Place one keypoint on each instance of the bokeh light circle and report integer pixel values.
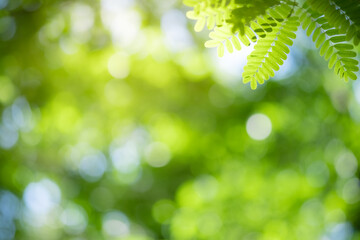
(258, 126)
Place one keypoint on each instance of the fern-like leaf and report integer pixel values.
(246, 11)
(271, 25)
(270, 52)
(258, 28)
(341, 14)
(332, 41)
(351, 8)
(223, 36)
(209, 13)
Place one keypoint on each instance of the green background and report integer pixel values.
(117, 123)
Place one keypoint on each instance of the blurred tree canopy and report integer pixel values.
(116, 123)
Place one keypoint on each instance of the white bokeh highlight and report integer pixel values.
(118, 65)
(74, 219)
(92, 167)
(346, 164)
(157, 154)
(258, 126)
(41, 200)
(116, 224)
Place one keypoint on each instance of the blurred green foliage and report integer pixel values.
(117, 124)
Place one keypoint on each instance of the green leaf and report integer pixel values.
(191, 15)
(320, 40)
(316, 34)
(347, 54)
(236, 43)
(212, 43)
(244, 40)
(329, 52)
(324, 47)
(200, 24)
(285, 40)
(211, 22)
(306, 23)
(343, 46)
(273, 29)
(350, 61)
(332, 61)
(352, 75)
(229, 46)
(311, 28)
(253, 84)
(338, 39)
